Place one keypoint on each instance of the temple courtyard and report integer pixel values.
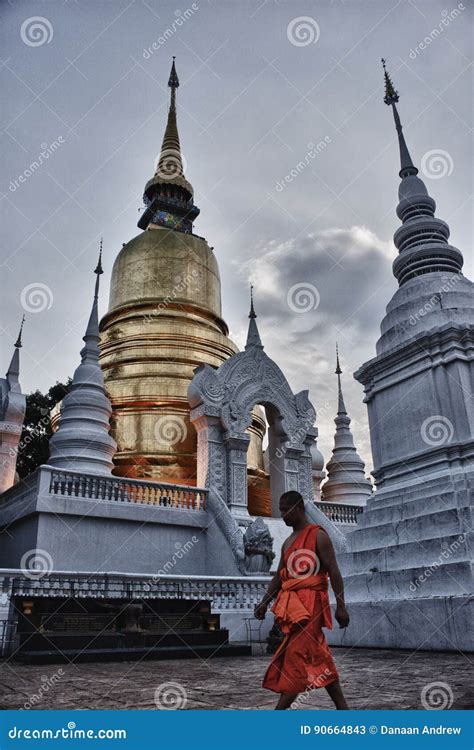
(371, 678)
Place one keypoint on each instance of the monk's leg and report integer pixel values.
(285, 701)
(335, 692)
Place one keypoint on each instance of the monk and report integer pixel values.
(303, 661)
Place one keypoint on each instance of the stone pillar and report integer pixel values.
(292, 469)
(211, 452)
(305, 470)
(237, 475)
(276, 451)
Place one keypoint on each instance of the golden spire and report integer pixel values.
(168, 195)
(173, 83)
(170, 163)
(92, 331)
(99, 268)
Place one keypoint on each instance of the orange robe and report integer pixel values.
(303, 660)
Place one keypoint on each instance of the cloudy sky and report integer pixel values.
(260, 88)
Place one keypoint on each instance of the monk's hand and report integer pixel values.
(260, 611)
(342, 616)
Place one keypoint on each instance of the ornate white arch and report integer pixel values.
(221, 403)
(221, 409)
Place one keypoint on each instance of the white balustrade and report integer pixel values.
(120, 490)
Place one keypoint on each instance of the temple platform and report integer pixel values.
(187, 648)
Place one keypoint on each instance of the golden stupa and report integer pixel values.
(164, 319)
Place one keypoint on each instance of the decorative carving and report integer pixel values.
(305, 478)
(224, 594)
(304, 408)
(292, 482)
(205, 387)
(258, 545)
(217, 467)
(239, 483)
(228, 395)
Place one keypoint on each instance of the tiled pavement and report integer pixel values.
(371, 679)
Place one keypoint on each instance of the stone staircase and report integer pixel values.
(93, 647)
(408, 564)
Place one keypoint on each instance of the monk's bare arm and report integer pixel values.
(327, 557)
(273, 588)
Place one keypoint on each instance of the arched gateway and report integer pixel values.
(221, 403)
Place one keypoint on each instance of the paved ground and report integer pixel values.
(371, 679)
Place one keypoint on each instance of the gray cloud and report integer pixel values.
(249, 104)
(311, 291)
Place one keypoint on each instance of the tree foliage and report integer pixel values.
(34, 443)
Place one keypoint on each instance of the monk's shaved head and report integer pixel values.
(292, 497)
(291, 507)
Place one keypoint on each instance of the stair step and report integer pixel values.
(449, 579)
(131, 654)
(374, 516)
(441, 549)
(417, 529)
(427, 489)
(110, 641)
